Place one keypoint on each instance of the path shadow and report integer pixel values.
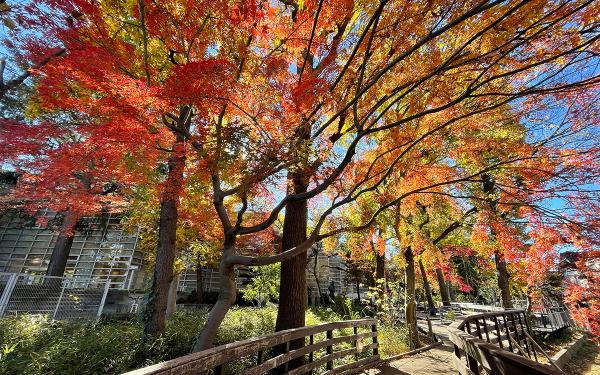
(385, 369)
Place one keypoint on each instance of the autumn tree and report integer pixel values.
(333, 101)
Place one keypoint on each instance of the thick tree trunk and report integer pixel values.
(503, 282)
(62, 246)
(292, 289)
(227, 295)
(427, 287)
(155, 313)
(443, 287)
(410, 305)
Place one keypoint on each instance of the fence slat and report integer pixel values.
(213, 358)
(495, 360)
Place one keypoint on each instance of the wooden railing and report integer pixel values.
(325, 346)
(551, 319)
(498, 342)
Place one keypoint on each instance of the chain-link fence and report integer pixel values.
(57, 297)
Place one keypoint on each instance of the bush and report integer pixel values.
(31, 344)
(44, 347)
(392, 340)
(112, 347)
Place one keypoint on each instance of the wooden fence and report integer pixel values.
(551, 319)
(498, 342)
(325, 346)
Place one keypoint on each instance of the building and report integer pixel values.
(102, 249)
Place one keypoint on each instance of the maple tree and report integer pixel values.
(280, 103)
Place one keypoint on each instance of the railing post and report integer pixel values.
(8, 289)
(478, 328)
(514, 324)
(510, 347)
(485, 329)
(498, 331)
(375, 348)
(472, 364)
(286, 366)
(356, 343)
(523, 329)
(311, 355)
(62, 291)
(329, 350)
(103, 300)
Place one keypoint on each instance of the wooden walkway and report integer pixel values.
(435, 361)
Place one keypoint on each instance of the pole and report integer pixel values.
(62, 291)
(103, 300)
(8, 289)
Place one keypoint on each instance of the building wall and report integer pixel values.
(100, 249)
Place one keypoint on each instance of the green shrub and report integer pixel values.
(44, 347)
(31, 344)
(392, 340)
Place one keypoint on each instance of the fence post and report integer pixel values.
(62, 291)
(329, 350)
(103, 300)
(375, 347)
(311, 355)
(8, 289)
(355, 343)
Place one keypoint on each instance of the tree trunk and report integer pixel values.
(227, 295)
(155, 313)
(444, 293)
(172, 297)
(427, 287)
(410, 302)
(292, 289)
(489, 186)
(62, 246)
(379, 266)
(199, 284)
(451, 291)
(503, 283)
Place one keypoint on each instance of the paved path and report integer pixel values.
(436, 361)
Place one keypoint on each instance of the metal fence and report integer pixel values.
(57, 297)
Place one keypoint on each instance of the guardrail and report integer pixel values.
(56, 297)
(322, 348)
(551, 319)
(498, 342)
